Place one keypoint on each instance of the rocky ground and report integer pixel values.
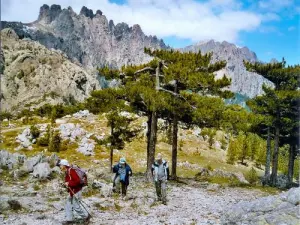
(189, 202)
(31, 190)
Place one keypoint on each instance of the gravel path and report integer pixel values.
(187, 204)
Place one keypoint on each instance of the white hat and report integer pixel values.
(64, 162)
(159, 156)
(122, 160)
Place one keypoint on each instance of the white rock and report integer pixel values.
(217, 145)
(41, 170)
(86, 146)
(81, 114)
(31, 162)
(293, 196)
(60, 121)
(197, 131)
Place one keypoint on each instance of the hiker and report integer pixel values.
(160, 172)
(122, 171)
(74, 185)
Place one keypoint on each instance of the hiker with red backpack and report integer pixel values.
(75, 179)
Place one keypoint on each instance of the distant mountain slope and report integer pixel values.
(36, 75)
(243, 82)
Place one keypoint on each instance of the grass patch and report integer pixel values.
(53, 199)
(90, 192)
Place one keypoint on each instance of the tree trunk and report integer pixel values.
(174, 139)
(268, 157)
(148, 133)
(291, 164)
(112, 143)
(111, 157)
(152, 144)
(275, 157)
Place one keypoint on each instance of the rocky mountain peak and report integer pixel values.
(48, 14)
(243, 82)
(87, 12)
(92, 43)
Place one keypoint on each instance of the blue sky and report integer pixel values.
(270, 28)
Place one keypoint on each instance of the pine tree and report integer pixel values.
(113, 101)
(192, 72)
(279, 105)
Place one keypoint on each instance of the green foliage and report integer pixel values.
(44, 141)
(279, 106)
(20, 74)
(55, 142)
(210, 133)
(44, 110)
(109, 73)
(232, 151)
(35, 132)
(251, 176)
(283, 159)
(5, 115)
(246, 146)
(64, 145)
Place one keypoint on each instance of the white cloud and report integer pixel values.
(188, 19)
(270, 17)
(275, 5)
(291, 28)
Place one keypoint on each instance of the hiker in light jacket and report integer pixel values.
(160, 171)
(72, 182)
(122, 171)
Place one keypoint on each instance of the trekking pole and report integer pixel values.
(80, 201)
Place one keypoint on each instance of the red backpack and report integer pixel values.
(81, 174)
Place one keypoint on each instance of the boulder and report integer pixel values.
(81, 114)
(240, 177)
(293, 196)
(42, 170)
(10, 160)
(3, 204)
(31, 162)
(86, 146)
(25, 138)
(278, 209)
(197, 131)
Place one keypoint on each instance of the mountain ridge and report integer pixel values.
(91, 40)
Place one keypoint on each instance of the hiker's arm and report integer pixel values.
(75, 180)
(115, 169)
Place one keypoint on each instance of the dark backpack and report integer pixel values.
(81, 174)
(168, 171)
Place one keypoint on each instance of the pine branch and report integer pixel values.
(144, 70)
(172, 93)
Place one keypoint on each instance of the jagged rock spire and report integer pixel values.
(48, 14)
